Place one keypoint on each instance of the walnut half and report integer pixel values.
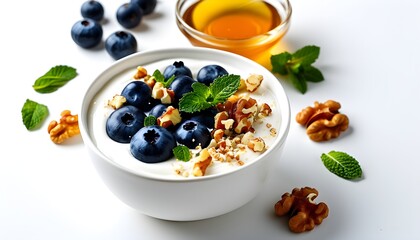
(304, 213)
(67, 127)
(323, 121)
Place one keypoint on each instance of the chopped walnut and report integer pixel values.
(303, 212)
(170, 117)
(203, 161)
(256, 144)
(141, 73)
(67, 127)
(253, 82)
(117, 101)
(165, 95)
(323, 121)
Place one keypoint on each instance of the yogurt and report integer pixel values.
(120, 153)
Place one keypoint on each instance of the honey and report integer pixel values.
(239, 26)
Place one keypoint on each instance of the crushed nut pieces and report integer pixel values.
(303, 212)
(323, 121)
(67, 127)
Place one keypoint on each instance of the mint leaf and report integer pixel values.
(203, 97)
(223, 87)
(193, 102)
(306, 55)
(33, 114)
(160, 78)
(342, 164)
(55, 78)
(298, 66)
(150, 120)
(182, 153)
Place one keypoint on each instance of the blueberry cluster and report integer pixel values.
(88, 33)
(154, 143)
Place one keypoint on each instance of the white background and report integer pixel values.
(370, 60)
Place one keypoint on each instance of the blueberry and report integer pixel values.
(92, 9)
(205, 117)
(129, 15)
(176, 69)
(152, 144)
(120, 44)
(87, 33)
(158, 110)
(148, 6)
(181, 85)
(192, 133)
(137, 93)
(124, 122)
(208, 73)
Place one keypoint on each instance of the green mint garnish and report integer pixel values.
(33, 114)
(298, 66)
(55, 78)
(160, 78)
(342, 164)
(182, 153)
(203, 97)
(150, 120)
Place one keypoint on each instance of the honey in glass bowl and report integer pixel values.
(246, 27)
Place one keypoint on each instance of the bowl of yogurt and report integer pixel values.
(216, 178)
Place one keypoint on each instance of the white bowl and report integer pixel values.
(168, 196)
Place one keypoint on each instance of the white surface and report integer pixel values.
(369, 56)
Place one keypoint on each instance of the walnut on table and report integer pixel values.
(323, 121)
(303, 211)
(67, 127)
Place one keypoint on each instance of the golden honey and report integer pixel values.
(246, 27)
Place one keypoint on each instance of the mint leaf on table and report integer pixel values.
(33, 114)
(159, 77)
(55, 78)
(342, 164)
(298, 66)
(182, 153)
(203, 97)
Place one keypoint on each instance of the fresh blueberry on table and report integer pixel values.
(192, 134)
(147, 6)
(129, 15)
(176, 69)
(181, 85)
(87, 33)
(120, 44)
(152, 144)
(124, 122)
(208, 73)
(137, 93)
(92, 9)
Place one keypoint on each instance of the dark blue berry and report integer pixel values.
(192, 134)
(148, 6)
(176, 69)
(181, 85)
(129, 15)
(152, 144)
(120, 44)
(137, 93)
(124, 122)
(92, 9)
(87, 33)
(158, 110)
(205, 117)
(207, 74)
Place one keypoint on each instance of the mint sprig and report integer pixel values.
(182, 153)
(33, 114)
(203, 97)
(342, 164)
(298, 66)
(55, 78)
(159, 77)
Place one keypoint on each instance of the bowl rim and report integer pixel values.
(283, 25)
(88, 96)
